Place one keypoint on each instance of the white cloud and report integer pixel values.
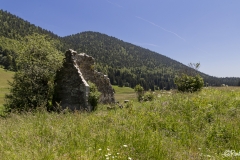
(160, 27)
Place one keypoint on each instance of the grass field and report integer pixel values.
(5, 76)
(124, 93)
(202, 125)
(198, 126)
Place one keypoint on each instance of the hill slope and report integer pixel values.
(125, 64)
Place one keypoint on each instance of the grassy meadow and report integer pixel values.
(124, 93)
(203, 125)
(5, 76)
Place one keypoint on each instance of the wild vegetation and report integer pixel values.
(201, 125)
(33, 83)
(189, 82)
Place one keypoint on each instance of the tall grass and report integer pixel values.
(202, 125)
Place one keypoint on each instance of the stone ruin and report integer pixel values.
(71, 83)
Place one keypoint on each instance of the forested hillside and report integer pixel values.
(128, 64)
(125, 64)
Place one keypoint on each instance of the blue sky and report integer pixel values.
(205, 31)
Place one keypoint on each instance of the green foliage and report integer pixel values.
(187, 83)
(14, 27)
(139, 91)
(32, 85)
(141, 95)
(129, 104)
(93, 95)
(138, 88)
(148, 96)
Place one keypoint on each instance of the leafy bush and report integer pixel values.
(32, 85)
(148, 96)
(187, 83)
(139, 91)
(141, 95)
(93, 95)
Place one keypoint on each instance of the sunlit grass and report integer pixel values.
(5, 76)
(124, 93)
(174, 126)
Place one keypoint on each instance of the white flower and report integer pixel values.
(125, 145)
(99, 149)
(129, 158)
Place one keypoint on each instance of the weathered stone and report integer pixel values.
(71, 87)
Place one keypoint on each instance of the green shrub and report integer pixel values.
(32, 86)
(93, 95)
(187, 83)
(148, 96)
(139, 91)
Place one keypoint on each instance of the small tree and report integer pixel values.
(190, 83)
(32, 85)
(139, 91)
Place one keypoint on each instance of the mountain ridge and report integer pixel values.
(126, 64)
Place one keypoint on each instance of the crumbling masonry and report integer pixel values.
(71, 84)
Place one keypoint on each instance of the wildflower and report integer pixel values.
(125, 145)
(99, 149)
(118, 153)
(108, 149)
(129, 158)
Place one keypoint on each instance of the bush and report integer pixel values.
(93, 95)
(148, 96)
(139, 91)
(187, 83)
(32, 86)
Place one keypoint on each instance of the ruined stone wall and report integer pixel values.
(86, 65)
(71, 87)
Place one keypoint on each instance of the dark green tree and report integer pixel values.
(32, 85)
